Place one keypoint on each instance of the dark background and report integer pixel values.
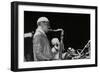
(76, 27)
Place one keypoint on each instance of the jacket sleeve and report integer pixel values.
(38, 48)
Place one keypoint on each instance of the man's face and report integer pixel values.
(45, 25)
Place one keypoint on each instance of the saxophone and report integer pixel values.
(59, 54)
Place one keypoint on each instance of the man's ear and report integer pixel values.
(38, 23)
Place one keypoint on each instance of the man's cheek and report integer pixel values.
(46, 27)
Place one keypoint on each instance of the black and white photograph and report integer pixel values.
(51, 36)
(56, 36)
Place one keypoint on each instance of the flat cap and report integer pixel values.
(42, 19)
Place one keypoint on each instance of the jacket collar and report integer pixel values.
(39, 29)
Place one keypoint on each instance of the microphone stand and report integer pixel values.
(61, 45)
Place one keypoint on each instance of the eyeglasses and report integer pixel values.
(46, 23)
